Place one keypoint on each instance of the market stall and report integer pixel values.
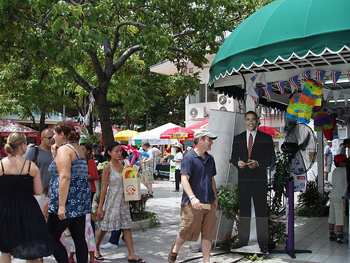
(98, 129)
(153, 136)
(294, 63)
(7, 126)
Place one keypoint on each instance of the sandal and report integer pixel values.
(140, 260)
(99, 257)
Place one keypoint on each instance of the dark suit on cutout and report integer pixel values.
(252, 183)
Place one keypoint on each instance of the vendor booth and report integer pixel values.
(295, 63)
(7, 126)
(153, 136)
(98, 129)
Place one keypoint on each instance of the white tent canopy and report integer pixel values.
(153, 136)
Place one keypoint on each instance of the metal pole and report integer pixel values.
(64, 107)
(290, 224)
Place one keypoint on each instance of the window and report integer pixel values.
(212, 95)
(199, 97)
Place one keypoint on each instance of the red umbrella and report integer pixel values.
(115, 130)
(177, 133)
(199, 125)
(8, 126)
(271, 131)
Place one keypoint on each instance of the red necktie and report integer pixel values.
(250, 146)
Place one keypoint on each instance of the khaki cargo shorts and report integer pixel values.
(198, 221)
(147, 177)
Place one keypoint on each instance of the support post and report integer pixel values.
(320, 162)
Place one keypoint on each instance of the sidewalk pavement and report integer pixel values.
(154, 244)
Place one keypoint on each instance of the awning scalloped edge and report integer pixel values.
(266, 61)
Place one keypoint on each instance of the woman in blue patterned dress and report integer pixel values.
(69, 192)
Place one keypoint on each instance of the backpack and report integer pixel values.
(36, 154)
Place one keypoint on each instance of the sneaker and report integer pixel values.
(109, 246)
(122, 243)
(342, 240)
(333, 237)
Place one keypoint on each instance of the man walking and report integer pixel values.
(253, 151)
(42, 157)
(148, 165)
(199, 199)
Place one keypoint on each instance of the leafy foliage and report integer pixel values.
(312, 203)
(138, 211)
(228, 201)
(91, 138)
(92, 42)
(282, 176)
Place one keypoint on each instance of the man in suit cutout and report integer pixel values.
(252, 179)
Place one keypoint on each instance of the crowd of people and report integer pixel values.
(62, 173)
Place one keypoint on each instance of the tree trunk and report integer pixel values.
(42, 119)
(104, 114)
(90, 127)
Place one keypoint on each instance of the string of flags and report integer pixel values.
(294, 82)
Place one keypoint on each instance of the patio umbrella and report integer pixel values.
(98, 129)
(199, 125)
(125, 135)
(271, 131)
(177, 133)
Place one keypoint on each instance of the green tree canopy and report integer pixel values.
(99, 37)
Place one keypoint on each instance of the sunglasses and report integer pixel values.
(49, 137)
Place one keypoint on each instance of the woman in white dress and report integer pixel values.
(113, 210)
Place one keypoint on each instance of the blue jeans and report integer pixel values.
(115, 235)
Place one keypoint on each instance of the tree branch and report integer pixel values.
(179, 50)
(119, 26)
(96, 64)
(82, 82)
(185, 33)
(120, 62)
(75, 3)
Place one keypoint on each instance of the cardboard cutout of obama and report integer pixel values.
(252, 152)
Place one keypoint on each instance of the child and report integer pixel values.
(336, 207)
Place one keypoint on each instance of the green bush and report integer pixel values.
(138, 211)
(312, 203)
(228, 201)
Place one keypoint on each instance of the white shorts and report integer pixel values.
(336, 211)
(327, 168)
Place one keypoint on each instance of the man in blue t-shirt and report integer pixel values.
(199, 199)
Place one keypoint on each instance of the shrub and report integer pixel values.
(312, 203)
(138, 211)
